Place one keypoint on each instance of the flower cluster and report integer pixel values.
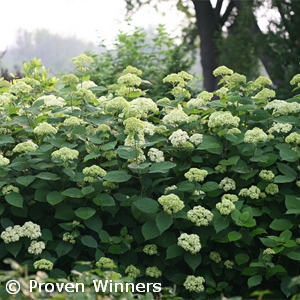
(195, 174)
(36, 248)
(132, 271)
(227, 184)
(269, 251)
(153, 272)
(149, 129)
(171, 203)
(253, 192)
(150, 249)
(223, 118)
(282, 108)
(264, 94)
(134, 125)
(173, 187)
(81, 62)
(200, 216)
(189, 242)
(266, 175)
(25, 147)
(255, 136)
(140, 108)
(130, 79)
(132, 70)
(237, 78)
(215, 256)
(20, 87)
(178, 138)
(196, 103)
(293, 138)
(51, 100)
(175, 116)
(222, 71)
(230, 197)
(229, 264)
(4, 161)
(93, 172)
(263, 80)
(116, 104)
(69, 79)
(272, 189)
(295, 80)
(196, 138)
(44, 129)
(225, 207)
(65, 154)
(86, 84)
(69, 238)
(194, 283)
(43, 264)
(105, 262)
(280, 127)
(73, 121)
(9, 188)
(156, 155)
(233, 131)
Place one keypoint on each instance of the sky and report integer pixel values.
(90, 20)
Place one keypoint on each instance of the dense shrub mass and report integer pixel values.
(188, 191)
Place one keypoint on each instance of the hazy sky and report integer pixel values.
(85, 19)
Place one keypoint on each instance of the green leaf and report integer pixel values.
(14, 199)
(87, 190)
(104, 200)
(211, 144)
(163, 221)
(85, 212)
(109, 146)
(146, 205)
(6, 139)
(25, 180)
(254, 281)
(281, 224)
(63, 248)
(193, 260)
(14, 248)
(47, 176)
(174, 251)
(268, 243)
(210, 186)
(284, 179)
(234, 236)
(294, 255)
(220, 222)
(161, 167)
(127, 152)
(288, 155)
(55, 197)
(230, 161)
(72, 193)
(241, 258)
(286, 170)
(89, 241)
(117, 176)
(292, 204)
(150, 230)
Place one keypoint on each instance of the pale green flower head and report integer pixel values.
(233, 131)
(293, 138)
(269, 251)
(4, 161)
(196, 138)
(255, 136)
(176, 116)
(82, 62)
(44, 129)
(85, 94)
(283, 108)
(20, 87)
(189, 242)
(295, 80)
(221, 169)
(65, 154)
(195, 174)
(215, 256)
(73, 121)
(117, 103)
(272, 189)
(132, 271)
(51, 100)
(266, 175)
(150, 249)
(130, 80)
(178, 138)
(230, 197)
(69, 238)
(194, 283)
(237, 78)
(36, 248)
(197, 103)
(4, 102)
(103, 128)
(223, 119)
(86, 85)
(11, 234)
(140, 108)
(227, 184)
(229, 264)
(222, 71)
(174, 79)
(280, 128)
(155, 155)
(94, 171)
(132, 70)
(265, 94)
(171, 203)
(222, 92)
(153, 272)
(173, 187)
(150, 129)
(200, 216)
(25, 147)
(31, 230)
(105, 262)
(134, 125)
(263, 80)
(70, 79)
(225, 207)
(206, 96)
(253, 192)
(43, 264)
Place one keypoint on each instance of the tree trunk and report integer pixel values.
(207, 24)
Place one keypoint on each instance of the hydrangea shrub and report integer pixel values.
(188, 191)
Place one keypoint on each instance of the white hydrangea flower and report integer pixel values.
(25, 147)
(227, 184)
(194, 283)
(225, 207)
(189, 242)
(7, 189)
(65, 154)
(150, 249)
(156, 155)
(282, 108)
(175, 116)
(171, 203)
(293, 138)
(140, 108)
(86, 84)
(178, 138)
(36, 248)
(153, 272)
(223, 119)
(130, 80)
(280, 127)
(4, 161)
(196, 138)
(253, 192)
(43, 264)
(73, 121)
(20, 87)
(44, 129)
(230, 197)
(195, 174)
(51, 100)
(255, 136)
(266, 175)
(200, 216)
